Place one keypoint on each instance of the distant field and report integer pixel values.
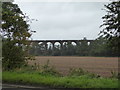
(99, 65)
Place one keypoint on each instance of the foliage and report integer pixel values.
(56, 81)
(114, 74)
(112, 25)
(14, 23)
(13, 56)
(81, 72)
(98, 47)
(112, 20)
(47, 69)
(15, 32)
(84, 48)
(76, 72)
(78, 78)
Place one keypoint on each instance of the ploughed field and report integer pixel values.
(98, 65)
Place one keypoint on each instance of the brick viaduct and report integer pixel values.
(77, 42)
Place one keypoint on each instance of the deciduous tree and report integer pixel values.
(16, 32)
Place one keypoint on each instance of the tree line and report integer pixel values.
(98, 47)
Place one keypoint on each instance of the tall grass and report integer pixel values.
(48, 76)
(83, 81)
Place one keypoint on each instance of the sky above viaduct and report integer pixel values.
(64, 20)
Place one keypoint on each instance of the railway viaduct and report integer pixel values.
(61, 42)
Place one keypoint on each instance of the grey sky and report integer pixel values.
(62, 20)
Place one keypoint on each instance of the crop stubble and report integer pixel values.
(99, 65)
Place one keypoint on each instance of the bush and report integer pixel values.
(13, 56)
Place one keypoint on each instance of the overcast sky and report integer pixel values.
(64, 20)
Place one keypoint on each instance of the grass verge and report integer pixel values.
(83, 81)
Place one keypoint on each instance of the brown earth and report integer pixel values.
(99, 65)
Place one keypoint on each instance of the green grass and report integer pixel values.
(39, 79)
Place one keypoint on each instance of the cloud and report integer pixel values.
(64, 20)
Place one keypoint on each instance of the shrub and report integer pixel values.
(13, 56)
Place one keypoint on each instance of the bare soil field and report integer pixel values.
(98, 65)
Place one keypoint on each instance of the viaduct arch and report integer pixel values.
(77, 42)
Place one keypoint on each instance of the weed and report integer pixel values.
(114, 74)
(47, 69)
(81, 72)
(76, 72)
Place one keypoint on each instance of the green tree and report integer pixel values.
(70, 49)
(13, 56)
(112, 25)
(98, 47)
(83, 49)
(14, 23)
(16, 32)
